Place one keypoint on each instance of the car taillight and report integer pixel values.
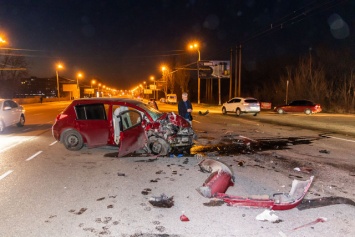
(61, 116)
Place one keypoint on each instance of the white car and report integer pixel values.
(241, 105)
(11, 113)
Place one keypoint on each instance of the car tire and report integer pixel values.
(255, 114)
(238, 112)
(21, 123)
(280, 111)
(2, 127)
(158, 146)
(307, 111)
(73, 140)
(224, 111)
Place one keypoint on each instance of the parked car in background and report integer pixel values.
(299, 106)
(162, 100)
(241, 105)
(126, 123)
(171, 99)
(11, 113)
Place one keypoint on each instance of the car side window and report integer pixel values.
(130, 118)
(237, 101)
(12, 104)
(90, 112)
(6, 104)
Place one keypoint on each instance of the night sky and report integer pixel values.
(122, 43)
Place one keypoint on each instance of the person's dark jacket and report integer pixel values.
(182, 107)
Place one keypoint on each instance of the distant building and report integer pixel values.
(46, 87)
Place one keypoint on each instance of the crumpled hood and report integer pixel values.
(175, 119)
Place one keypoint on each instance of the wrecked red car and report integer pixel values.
(128, 124)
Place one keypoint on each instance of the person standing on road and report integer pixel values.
(185, 108)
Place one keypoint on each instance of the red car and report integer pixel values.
(299, 106)
(128, 124)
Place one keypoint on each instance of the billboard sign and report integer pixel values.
(148, 91)
(214, 69)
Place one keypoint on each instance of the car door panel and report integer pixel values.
(133, 136)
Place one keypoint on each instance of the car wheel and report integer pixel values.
(255, 114)
(21, 123)
(72, 140)
(224, 111)
(280, 111)
(158, 146)
(307, 111)
(238, 112)
(2, 126)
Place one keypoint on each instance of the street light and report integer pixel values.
(196, 46)
(2, 40)
(58, 66)
(77, 79)
(153, 79)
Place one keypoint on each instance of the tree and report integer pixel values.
(12, 69)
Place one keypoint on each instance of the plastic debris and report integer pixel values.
(267, 215)
(203, 113)
(320, 219)
(297, 169)
(184, 218)
(162, 201)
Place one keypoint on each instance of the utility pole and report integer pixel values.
(231, 74)
(240, 70)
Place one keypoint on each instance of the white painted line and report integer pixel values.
(196, 121)
(6, 174)
(53, 143)
(347, 140)
(30, 158)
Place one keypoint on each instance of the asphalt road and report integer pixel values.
(46, 190)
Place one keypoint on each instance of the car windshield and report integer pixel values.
(155, 114)
(251, 101)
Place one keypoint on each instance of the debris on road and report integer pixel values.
(204, 113)
(220, 179)
(324, 151)
(184, 218)
(320, 219)
(268, 215)
(162, 201)
(280, 201)
(214, 203)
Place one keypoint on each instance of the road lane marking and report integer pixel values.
(343, 139)
(30, 158)
(6, 174)
(53, 143)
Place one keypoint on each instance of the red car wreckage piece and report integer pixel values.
(222, 177)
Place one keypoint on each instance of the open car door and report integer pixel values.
(132, 134)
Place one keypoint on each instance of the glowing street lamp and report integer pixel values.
(93, 82)
(196, 47)
(58, 66)
(2, 41)
(79, 75)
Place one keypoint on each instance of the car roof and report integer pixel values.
(108, 100)
(245, 98)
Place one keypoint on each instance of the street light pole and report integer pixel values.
(195, 46)
(59, 66)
